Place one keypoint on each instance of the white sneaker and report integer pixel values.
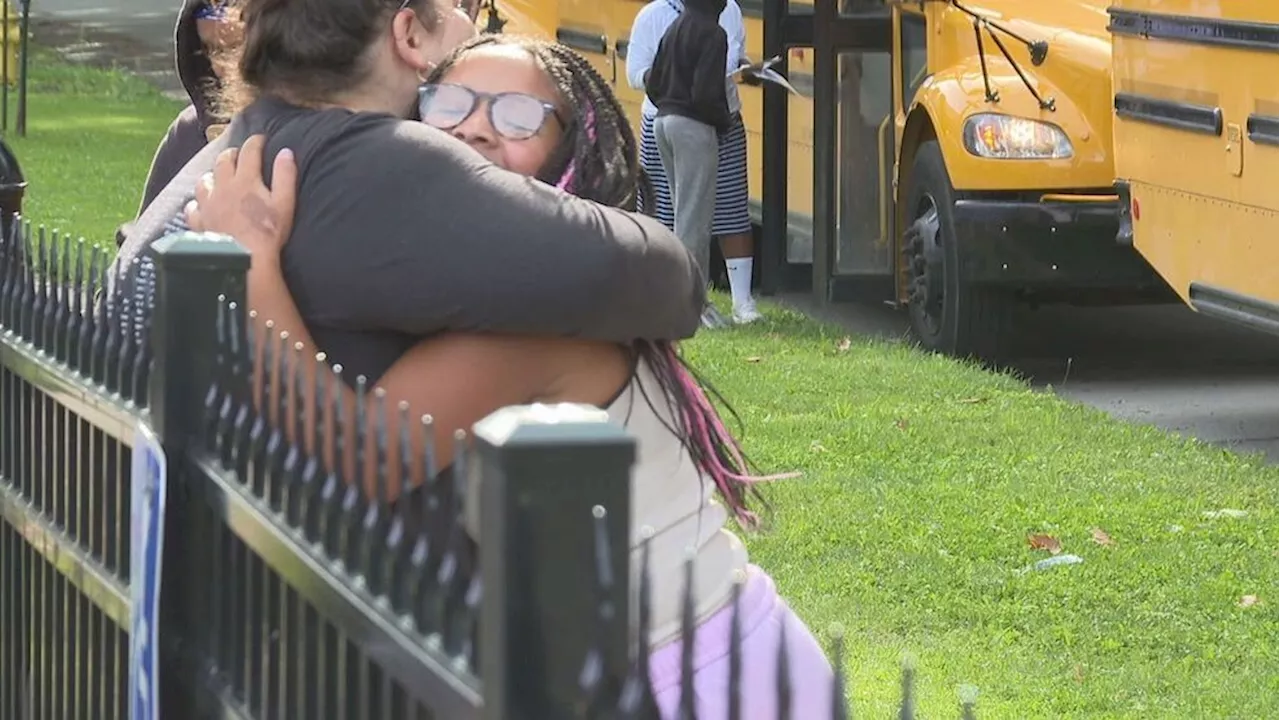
(746, 313)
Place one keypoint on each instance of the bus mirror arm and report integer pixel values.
(1038, 50)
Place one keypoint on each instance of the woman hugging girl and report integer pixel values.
(540, 110)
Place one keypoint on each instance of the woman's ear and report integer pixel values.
(424, 48)
(411, 41)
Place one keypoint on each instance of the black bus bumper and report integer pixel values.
(1050, 248)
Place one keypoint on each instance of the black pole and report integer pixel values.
(825, 105)
(773, 195)
(25, 30)
(4, 71)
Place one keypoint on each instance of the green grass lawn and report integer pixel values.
(923, 479)
(90, 138)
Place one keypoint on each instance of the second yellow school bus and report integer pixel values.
(1196, 149)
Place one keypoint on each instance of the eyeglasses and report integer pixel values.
(514, 115)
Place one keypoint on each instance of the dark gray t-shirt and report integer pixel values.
(403, 232)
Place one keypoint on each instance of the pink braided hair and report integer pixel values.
(566, 180)
(712, 446)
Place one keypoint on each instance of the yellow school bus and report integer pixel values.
(1195, 146)
(951, 157)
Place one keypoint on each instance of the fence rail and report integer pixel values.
(286, 590)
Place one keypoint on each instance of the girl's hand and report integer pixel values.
(235, 200)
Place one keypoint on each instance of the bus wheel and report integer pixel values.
(948, 315)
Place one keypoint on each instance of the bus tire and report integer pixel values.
(948, 314)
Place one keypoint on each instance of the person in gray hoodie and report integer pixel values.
(202, 35)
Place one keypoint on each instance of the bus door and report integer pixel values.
(852, 151)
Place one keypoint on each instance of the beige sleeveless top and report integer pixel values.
(671, 500)
(670, 496)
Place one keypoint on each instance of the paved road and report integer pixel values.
(137, 34)
(1161, 365)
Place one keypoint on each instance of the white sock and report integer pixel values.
(739, 280)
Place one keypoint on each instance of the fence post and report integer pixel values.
(192, 270)
(541, 471)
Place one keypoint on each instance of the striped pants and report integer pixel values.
(731, 215)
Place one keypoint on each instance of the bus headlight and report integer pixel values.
(1004, 137)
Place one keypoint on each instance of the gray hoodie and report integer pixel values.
(188, 132)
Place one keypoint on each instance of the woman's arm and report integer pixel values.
(736, 29)
(642, 45)
(404, 229)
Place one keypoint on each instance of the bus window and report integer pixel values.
(915, 57)
(865, 149)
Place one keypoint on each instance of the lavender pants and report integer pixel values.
(763, 615)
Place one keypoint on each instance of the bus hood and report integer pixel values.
(1078, 64)
(1074, 77)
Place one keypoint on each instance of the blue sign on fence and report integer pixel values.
(146, 532)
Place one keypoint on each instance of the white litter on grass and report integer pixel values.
(1225, 513)
(1052, 562)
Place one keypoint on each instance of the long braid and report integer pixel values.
(598, 158)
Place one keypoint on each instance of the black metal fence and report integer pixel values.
(286, 591)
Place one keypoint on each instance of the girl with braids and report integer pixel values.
(540, 109)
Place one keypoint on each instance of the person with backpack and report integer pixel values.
(687, 86)
(732, 220)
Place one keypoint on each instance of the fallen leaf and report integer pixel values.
(844, 345)
(754, 359)
(1101, 537)
(973, 401)
(1045, 542)
(1226, 513)
(901, 423)
(1248, 601)
(1079, 673)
